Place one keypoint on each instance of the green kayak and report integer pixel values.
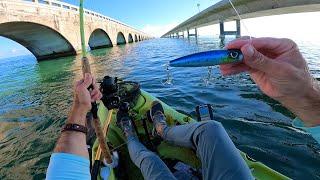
(167, 152)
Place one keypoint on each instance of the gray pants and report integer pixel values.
(219, 157)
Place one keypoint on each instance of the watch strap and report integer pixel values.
(75, 127)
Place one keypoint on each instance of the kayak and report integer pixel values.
(170, 154)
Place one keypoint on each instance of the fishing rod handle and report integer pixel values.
(105, 131)
(101, 139)
(85, 65)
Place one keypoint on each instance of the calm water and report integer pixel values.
(35, 99)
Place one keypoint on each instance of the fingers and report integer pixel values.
(94, 83)
(235, 68)
(87, 80)
(275, 45)
(242, 38)
(256, 60)
(95, 94)
(96, 97)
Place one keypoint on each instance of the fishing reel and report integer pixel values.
(109, 89)
(116, 91)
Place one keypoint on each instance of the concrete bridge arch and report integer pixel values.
(42, 40)
(121, 38)
(99, 38)
(130, 38)
(51, 30)
(135, 38)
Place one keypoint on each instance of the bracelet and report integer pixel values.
(75, 127)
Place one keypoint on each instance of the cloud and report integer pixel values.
(158, 30)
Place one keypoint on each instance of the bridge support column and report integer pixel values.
(195, 34)
(180, 35)
(188, 34)
(224, 33)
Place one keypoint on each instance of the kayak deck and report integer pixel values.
(166, 151)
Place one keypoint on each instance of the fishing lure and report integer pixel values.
(208, 58)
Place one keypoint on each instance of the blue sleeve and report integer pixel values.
(64, 166)
(314, 131)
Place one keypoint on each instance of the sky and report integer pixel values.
(156, 17)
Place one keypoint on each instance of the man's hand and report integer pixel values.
(278, 68)
(82, 96)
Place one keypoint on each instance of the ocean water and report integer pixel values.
(35, 98)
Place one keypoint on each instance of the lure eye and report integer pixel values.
(234, 54)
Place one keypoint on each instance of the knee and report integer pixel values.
(212, 126)
(143, 157)
(211, 129)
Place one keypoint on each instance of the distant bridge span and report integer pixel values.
(222, 12)
(50, 29)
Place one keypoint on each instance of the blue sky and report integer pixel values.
(158, 16)
(139, 13)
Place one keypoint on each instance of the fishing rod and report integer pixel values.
(94, 110)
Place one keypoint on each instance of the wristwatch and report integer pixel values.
(75, 127)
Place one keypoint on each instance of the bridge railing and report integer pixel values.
(69, 7)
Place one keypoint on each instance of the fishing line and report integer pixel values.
(169, 78)
(116, 148)
(209, 75)
(244, 25)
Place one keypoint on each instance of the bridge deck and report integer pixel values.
(223, 11)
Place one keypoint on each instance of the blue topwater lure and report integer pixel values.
(208, 58)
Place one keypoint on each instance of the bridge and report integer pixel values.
(223, 12)
(50, 29)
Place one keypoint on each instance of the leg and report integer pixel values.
(151, 166)
(219, 157)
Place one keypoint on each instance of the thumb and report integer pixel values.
(255, 60)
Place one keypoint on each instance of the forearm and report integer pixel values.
(74, 142)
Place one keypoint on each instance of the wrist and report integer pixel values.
(77, 115)
(306, 106)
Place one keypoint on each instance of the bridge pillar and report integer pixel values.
(195, 34)
(180, 35)
(188, 34)
(224, 33)
(238, 28)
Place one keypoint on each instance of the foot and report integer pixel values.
(158, 118)
(124, 122)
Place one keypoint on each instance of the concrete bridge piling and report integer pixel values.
(50, 28)
(224, 33)
(195, 34)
